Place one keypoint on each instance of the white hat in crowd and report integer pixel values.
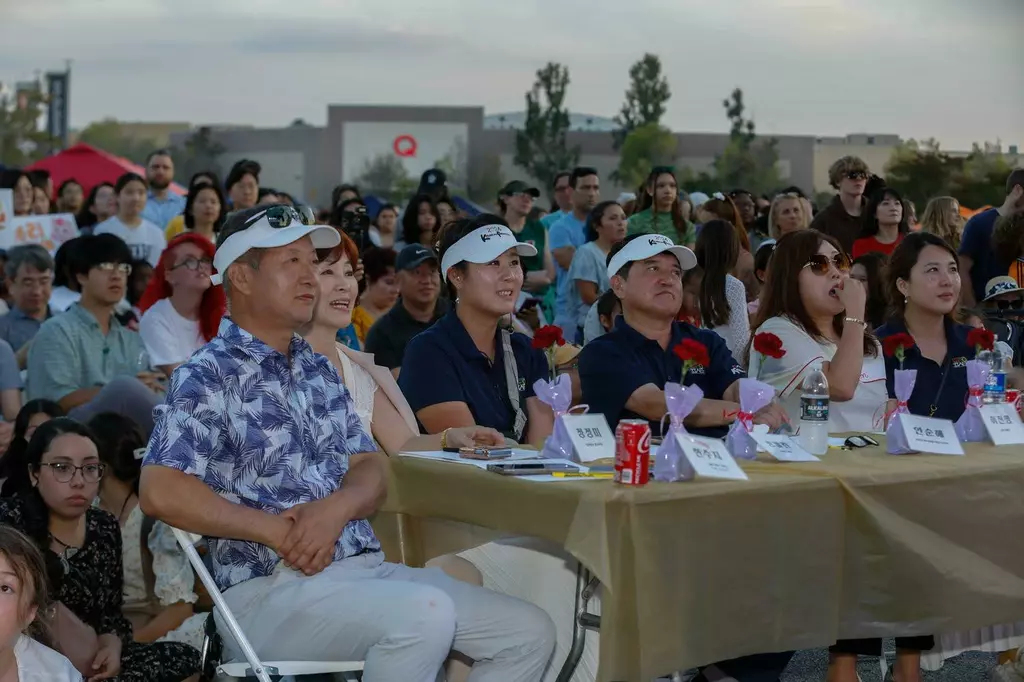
(483, 245)
(266, 228)
(647, 245)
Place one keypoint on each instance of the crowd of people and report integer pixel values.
(229, 363)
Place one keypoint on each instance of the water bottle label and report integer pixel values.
(813, 409)
(996, 382)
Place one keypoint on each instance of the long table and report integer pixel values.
(862, 544)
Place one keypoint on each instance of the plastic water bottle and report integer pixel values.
(814, 403)
(995, 386)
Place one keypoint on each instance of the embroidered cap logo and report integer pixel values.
(493, 232)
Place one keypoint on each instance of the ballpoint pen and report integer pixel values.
(581, 474)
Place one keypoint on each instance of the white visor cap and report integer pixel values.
(483, 245)
(647, 246)
(260, 234)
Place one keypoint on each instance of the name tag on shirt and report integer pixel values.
(710, 458)
(936, 436)
(591, 436)
(1003, 424)
(780, 446)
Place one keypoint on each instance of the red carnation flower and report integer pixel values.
(769, 345)
(981, 339)
(692, 353)
(547, 336)
(897, 345)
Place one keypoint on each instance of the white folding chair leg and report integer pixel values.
(188, 546)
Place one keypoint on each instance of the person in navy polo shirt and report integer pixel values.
(467, 369)
(923, 282)
(624, 372)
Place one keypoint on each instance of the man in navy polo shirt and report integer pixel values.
(978, 261)
(624, 372)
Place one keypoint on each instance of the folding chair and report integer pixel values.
(252, 666)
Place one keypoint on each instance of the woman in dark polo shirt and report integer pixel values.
(923, 285)
(467, 369)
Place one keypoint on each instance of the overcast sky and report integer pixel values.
(949, 69)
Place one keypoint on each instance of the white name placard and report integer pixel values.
(936, 436)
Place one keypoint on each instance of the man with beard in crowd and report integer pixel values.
(161, 203)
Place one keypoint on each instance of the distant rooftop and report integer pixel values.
(578, 122)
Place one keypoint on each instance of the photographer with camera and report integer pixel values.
(350, 217)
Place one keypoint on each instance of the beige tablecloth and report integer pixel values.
(862, 544)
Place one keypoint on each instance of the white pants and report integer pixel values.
(402, 621)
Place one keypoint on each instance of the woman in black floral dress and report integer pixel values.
(82, 546)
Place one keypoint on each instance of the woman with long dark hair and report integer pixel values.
(204, 213)
(20, 183)
(176, 225)
(816, 310)
(588, 273)
(660, 209)
(82, 548)
(723, 298)
(158, 578)
(421, 222)
(32, 415)
(885, 223)
(923, 286)
(100, 205)
(181, 311)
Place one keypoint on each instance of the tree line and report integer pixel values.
(920, 170)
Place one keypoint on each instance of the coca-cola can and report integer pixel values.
(632, 452)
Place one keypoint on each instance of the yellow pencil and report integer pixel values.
(581, 474)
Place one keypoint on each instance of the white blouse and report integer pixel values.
(363, 388)
(39, 663)
(803, 352)
(736, 331)
(174, 580)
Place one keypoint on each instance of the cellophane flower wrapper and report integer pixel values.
(557, 394)
(754, 395)
(903, 381)
(970, 427)
(669, 463)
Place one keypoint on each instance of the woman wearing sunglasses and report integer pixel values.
(82, 548)
(181, 311)
(813, 306)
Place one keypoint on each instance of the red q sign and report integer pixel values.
(405, 145)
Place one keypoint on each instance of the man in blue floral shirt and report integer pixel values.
(259, 448)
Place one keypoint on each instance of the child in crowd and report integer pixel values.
(24, 608)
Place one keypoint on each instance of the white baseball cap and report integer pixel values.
(647, 245)
(483, 245)
(268, 228)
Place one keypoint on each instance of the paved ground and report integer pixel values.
(809, 666)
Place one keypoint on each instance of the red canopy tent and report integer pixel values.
(90, 166)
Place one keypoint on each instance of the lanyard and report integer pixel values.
(933, 408)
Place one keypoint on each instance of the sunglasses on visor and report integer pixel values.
(819, 264)
(284, 216)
